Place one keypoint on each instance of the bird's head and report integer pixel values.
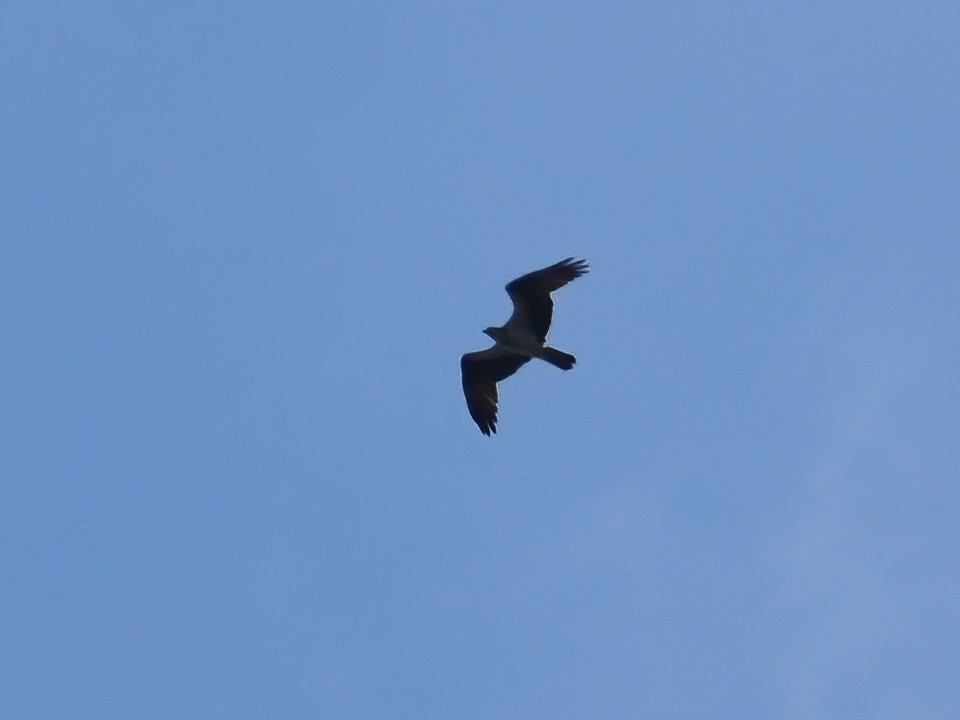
(494, 332)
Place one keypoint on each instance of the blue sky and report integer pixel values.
(243, 248)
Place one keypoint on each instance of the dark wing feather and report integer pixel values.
(481, 372)
(530, 293)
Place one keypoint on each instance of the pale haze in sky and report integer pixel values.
(243, 246)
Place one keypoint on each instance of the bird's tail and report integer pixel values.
(560, 359)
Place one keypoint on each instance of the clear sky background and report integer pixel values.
(245, 244)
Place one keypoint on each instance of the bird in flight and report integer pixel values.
(524, 336)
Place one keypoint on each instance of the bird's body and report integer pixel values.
(522, 337)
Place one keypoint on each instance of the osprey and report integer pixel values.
(524, 336)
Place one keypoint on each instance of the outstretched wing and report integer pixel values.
(532, 305)
(481, 372)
